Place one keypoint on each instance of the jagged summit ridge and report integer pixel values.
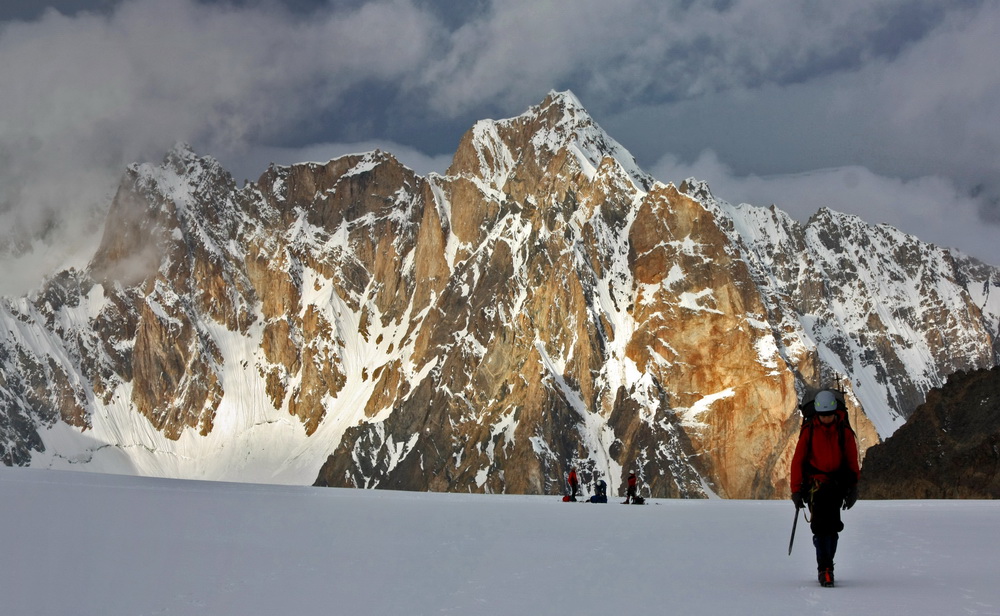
(543, 303)
(559, 124)
(861, 291)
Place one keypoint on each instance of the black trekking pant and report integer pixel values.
(825, 523)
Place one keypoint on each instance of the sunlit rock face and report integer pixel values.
(544, 303)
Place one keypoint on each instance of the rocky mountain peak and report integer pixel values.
(544, 303)
(182, 159)
(493, 150)
(696, 189)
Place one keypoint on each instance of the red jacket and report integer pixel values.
(818, 453)
(572, 478)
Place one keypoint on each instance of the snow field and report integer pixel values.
(80, 543)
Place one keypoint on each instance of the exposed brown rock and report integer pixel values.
(949, 447)
(543, 304)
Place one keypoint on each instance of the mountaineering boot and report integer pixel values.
(826, 577)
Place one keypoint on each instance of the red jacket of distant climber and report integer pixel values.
(572, 479)
(825, 452)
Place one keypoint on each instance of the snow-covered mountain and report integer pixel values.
(543, 303)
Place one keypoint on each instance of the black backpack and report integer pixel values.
(808, 410)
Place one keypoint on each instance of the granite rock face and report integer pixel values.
(544, 303)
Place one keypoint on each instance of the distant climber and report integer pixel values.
(600, 491)
(574, 483)
(630, 494)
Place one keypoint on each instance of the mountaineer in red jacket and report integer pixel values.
(574, 483)
(824, 476)
(633, 483)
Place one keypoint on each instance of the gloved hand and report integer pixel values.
(797, 499)
(851, 497)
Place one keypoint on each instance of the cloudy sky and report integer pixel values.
(888, 109)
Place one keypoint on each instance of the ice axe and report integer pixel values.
(795, 522)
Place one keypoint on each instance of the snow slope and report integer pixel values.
(80, 543)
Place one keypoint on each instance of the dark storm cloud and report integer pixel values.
(638, 51)
(28, 10)
(96, 91)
